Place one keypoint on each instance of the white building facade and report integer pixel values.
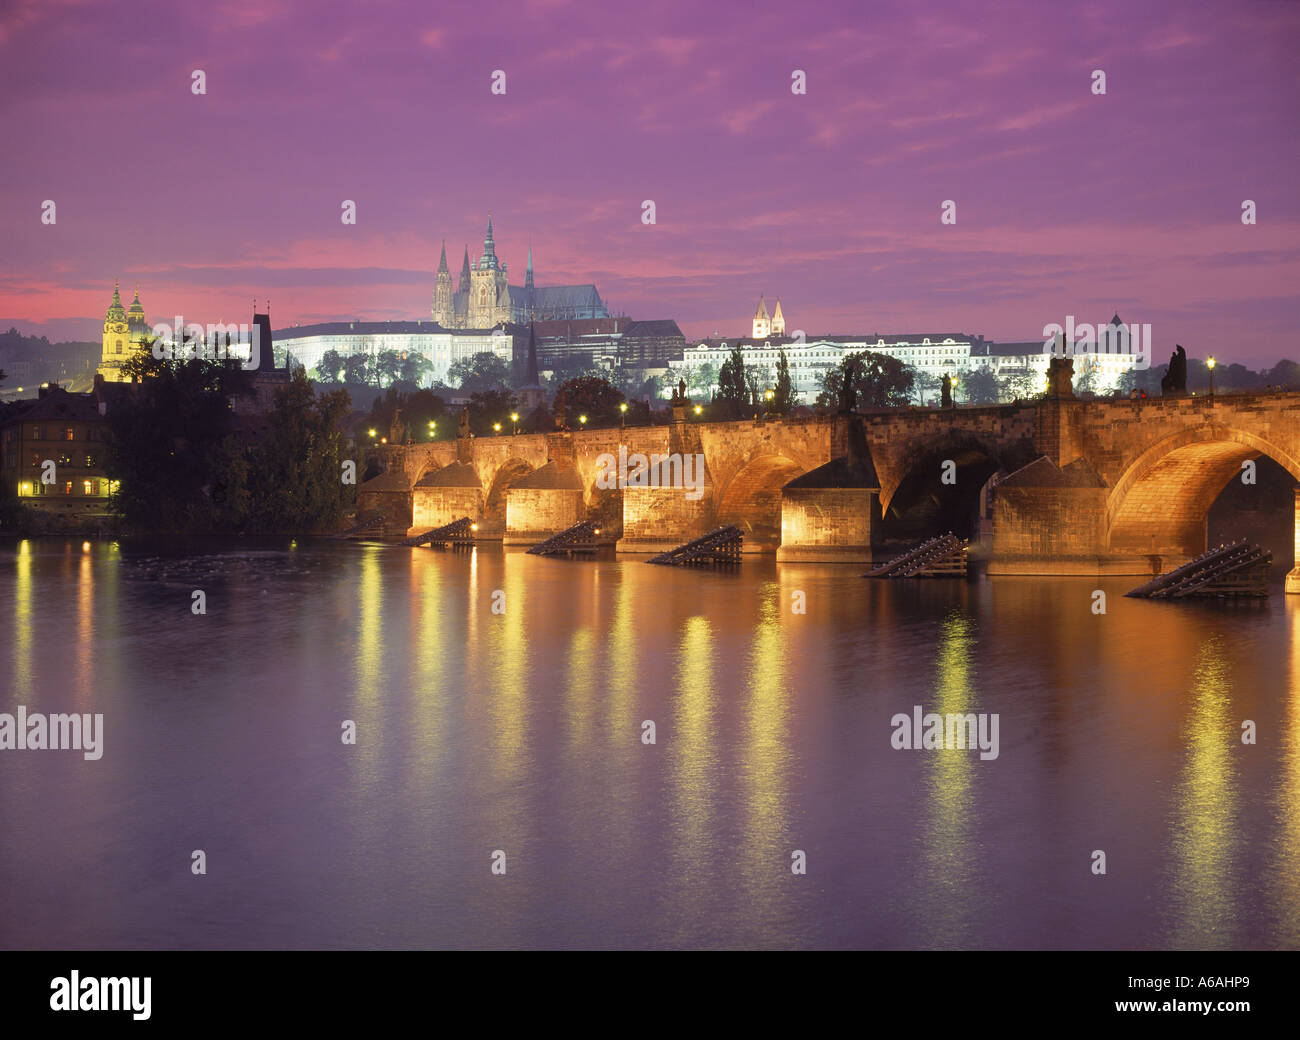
(442, 347)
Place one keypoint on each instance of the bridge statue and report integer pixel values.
(848, 394)
(945, 400)
(462, 429)
(1174, 382)
(396, 428)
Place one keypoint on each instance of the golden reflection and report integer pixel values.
(508, 687)
(580, 687)
(693, 754)
(85, 627)
(370, 648)
(624, 653)
(1205, 828)
(1286, 871)
(22, 642)
(948, 854)
(765, 755)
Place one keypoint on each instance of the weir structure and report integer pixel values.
(1053, 486)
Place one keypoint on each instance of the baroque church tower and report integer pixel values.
(124, 333)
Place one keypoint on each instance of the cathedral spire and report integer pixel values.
(442, 261)
(489, 258)
(528, 275)
(464, 273)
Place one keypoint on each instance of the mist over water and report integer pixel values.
(522, 732)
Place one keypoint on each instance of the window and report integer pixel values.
(118, 350)
(38, 434)
(68, 434)
(86, 487)
(67, 488)
(65, 460)
(90, 462)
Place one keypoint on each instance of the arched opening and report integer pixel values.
(940, 492)
(1201, 488)
(752, 501)
(494, 509)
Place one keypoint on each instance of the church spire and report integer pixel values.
(489, 258)
(464, 273)
(532, 376)
(442, 261)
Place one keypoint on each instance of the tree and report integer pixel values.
(879, 381)
(783, 393)
(1088, 379)
(701, 380)
(482, 372)
(488, 407)
(1023, 386)
(171, 445)
(357, 368)
(925, 384)
(596, 398)
(294, 477)
(414, 368)
(733, 390)
(388, 366)
(330, 366)
(981, 386)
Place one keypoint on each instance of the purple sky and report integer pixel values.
(1067, 203)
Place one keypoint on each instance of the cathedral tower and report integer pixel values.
(778, 320)
(762, 324)
(444, 309)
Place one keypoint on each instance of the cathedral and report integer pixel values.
(124, 332)
(483, 298)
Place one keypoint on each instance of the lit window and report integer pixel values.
(67, 488)
(68, 435)
(85, 487)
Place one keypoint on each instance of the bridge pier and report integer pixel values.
(656, 519)
(446, 495)
(1293, 578)
(542, 504)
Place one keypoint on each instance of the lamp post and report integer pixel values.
(514, 418)
(582, 419)
(699, 410)
(433, 429)
(622, 419)
(1209, 362)
(497, 426)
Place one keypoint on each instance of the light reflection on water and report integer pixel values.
(521, 731)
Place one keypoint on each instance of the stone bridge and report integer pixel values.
(1065, 486)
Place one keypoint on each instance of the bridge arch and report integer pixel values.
(751, 500)
(917, 502)
(1160, 504)
(494, 504)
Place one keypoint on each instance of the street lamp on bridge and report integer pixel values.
(1209, 363)
(514, 418)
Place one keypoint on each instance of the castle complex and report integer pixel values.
(483, 297)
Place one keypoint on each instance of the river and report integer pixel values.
(520, 731)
